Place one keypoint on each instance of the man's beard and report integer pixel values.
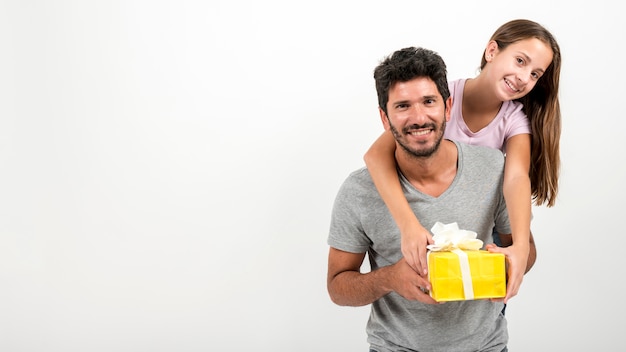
(422, 152)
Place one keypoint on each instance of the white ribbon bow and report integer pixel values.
(448, 237)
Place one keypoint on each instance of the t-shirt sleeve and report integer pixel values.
(346, 229)
(517, 121)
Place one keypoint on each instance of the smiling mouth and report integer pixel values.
(420, 132)
(508, 83)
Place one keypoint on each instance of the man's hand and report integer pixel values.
(407, 283)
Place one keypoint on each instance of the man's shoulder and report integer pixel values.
(471, 151)
(360, 173)
(479, 149)
(358, 178)
(357, 189)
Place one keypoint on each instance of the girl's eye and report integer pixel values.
(535, 75)
(520, 61)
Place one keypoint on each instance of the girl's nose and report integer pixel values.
(524, 77)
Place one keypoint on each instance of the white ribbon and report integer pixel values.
(448, 237)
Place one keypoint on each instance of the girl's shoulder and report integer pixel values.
(456, 86)
(512, 109)
(513, 120)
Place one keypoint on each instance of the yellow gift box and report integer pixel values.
(452, 281)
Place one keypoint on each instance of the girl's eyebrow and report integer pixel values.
(529, 60)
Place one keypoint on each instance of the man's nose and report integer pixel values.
(418, 113)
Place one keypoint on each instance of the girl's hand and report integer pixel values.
(516, 261)
(414, 239)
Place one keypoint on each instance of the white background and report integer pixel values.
(167, 169)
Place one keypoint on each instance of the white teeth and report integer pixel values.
(510, 86)
(419, 133)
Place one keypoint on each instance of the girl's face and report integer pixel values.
(516, 69)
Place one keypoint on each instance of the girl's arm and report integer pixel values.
(380, 161)
(517, 195)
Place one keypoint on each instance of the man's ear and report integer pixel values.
(448, 110)
(384, 119)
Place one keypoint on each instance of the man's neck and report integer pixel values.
(430, 175)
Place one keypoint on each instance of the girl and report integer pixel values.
(512, 105)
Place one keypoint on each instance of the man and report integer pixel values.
(444, 181)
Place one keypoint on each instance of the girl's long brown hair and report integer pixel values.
(541, 105)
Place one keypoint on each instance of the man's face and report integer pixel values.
(417, 116)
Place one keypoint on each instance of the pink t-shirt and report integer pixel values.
(510, 121)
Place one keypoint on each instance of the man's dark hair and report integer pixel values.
(407, 64)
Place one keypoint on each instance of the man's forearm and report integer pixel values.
(351, 288)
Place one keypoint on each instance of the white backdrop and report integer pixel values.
(167, 169)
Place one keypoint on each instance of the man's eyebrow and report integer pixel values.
(424, 97)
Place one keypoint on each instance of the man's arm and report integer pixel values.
(347, 286)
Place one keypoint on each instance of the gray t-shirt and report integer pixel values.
(362, 223)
